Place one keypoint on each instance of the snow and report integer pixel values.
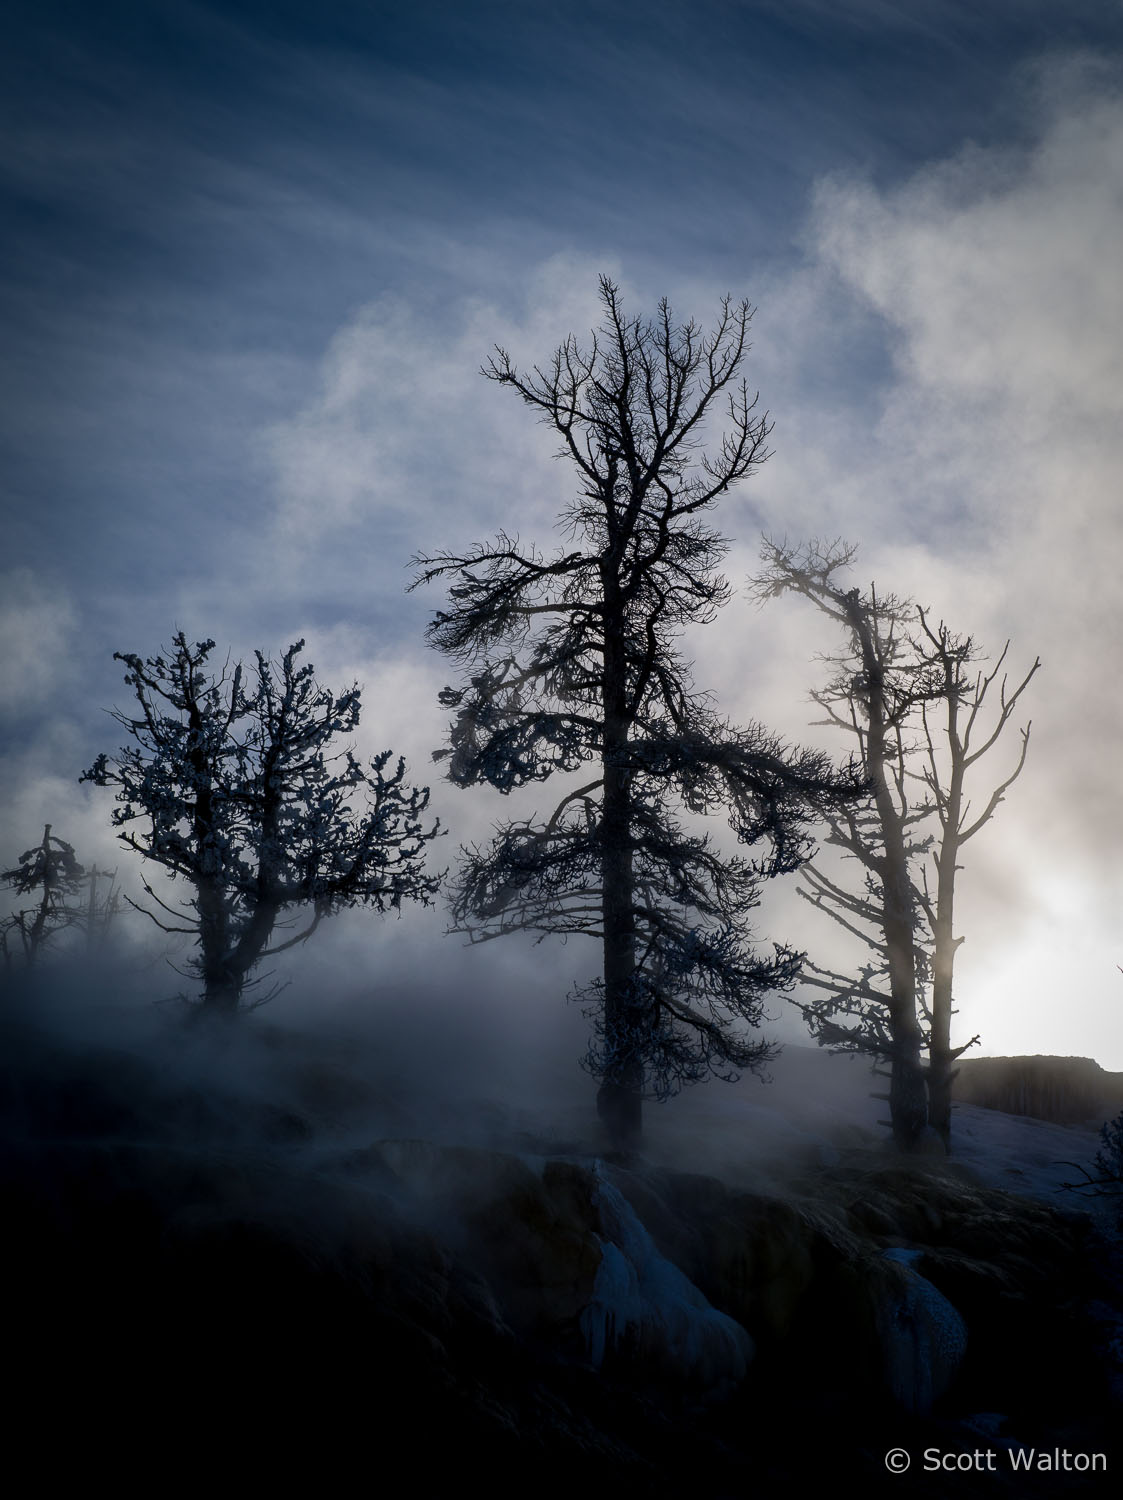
(643, 1301)
(1033, 1158)
(927, 1342)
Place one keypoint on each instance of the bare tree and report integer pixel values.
(950, 752)
(571, 661)
(101, 909)
(896, 680)
(51, 874)
(871, 695)
(229, 786)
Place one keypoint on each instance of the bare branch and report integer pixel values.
(236, 788)
(573, 659)
(885, 691)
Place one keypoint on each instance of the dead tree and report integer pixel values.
(896, 679)
(51, 874)
(571, 667)
(951, 749)
(101, 910)
(229, 785)
(872, 694)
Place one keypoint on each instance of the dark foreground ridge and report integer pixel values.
(258, 1286)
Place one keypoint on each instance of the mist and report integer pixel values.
(253, 259)
(367, 1226)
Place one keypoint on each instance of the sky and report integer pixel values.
(254, 255)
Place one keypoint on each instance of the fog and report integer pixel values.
(92, 1061)
(252, 271)
(290, 1242)
(253, 258)
(452, 1062)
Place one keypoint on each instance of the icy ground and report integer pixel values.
(760, 1133)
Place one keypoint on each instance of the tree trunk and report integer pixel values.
(941, 1076)
(91, 914)
(908, 1101)
(39, 925)
(222, 984)
(941, 1054)
(908, 1095)
(620, 1098)
(222, 993)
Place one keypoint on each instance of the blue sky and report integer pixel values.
(253, 256)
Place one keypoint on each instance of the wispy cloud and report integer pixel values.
(252, 272)
(979, 473)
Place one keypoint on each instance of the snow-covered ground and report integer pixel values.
(761, 1133)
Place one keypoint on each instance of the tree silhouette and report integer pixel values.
(950, 751)
(65, 896)
(890, 688)
(230, 786)
(571, 660)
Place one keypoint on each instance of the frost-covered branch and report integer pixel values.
(233, 785)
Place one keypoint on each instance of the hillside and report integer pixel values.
(259, 1256)
(1066, 1090)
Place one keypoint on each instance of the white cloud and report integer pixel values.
(403, 430)
(946, 371)
(982, 476)
(1005, 300)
